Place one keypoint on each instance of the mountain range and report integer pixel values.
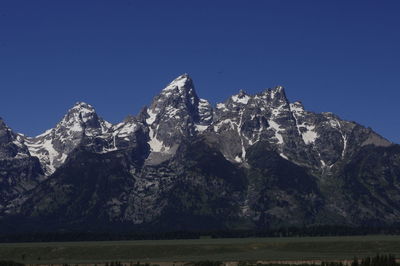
(251, 162)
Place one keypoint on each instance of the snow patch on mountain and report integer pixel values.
(178, 113)
(177, 84)
(155, 144)
(46, 153)
(309, 135)
(201, 128)
(53, 146)
(241, 99)
(277, 129)
(124, 129)
(222, 107)
(152, 117)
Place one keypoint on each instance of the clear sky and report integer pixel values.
(337, 56)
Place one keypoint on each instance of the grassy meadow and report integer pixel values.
(236, 249)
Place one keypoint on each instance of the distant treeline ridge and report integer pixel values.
(281, 232)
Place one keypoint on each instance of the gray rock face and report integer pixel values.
(11, 144)
(244, 120)
(253, 161)
(176, 113)
(317, 141)
(19, 172)
(80, 125)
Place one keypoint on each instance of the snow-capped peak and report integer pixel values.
(179, 84)
(82, 117)
(82, 106)
(178, 95)
(241, 97)
(81, 112)
(179, 92)
(177, 112)
(278, 92)
(53, 146)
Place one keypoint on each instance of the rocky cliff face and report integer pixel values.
(19, 171)
(253, 161)
(176, 113)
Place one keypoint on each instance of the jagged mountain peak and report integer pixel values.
(177, 112)
(81, 104)
(242, 97)
(180, 90)
(257, 158)
(242, 93)
(82, 117)
(181, 84)
(5, 132)
(11, 143)
(82, 113)
(277, 92)
(176, 96)
(82, 107)
(2, 123)
(78, 125)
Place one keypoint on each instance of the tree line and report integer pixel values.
(279, 232)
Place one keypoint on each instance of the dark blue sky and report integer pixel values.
(338, 56)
